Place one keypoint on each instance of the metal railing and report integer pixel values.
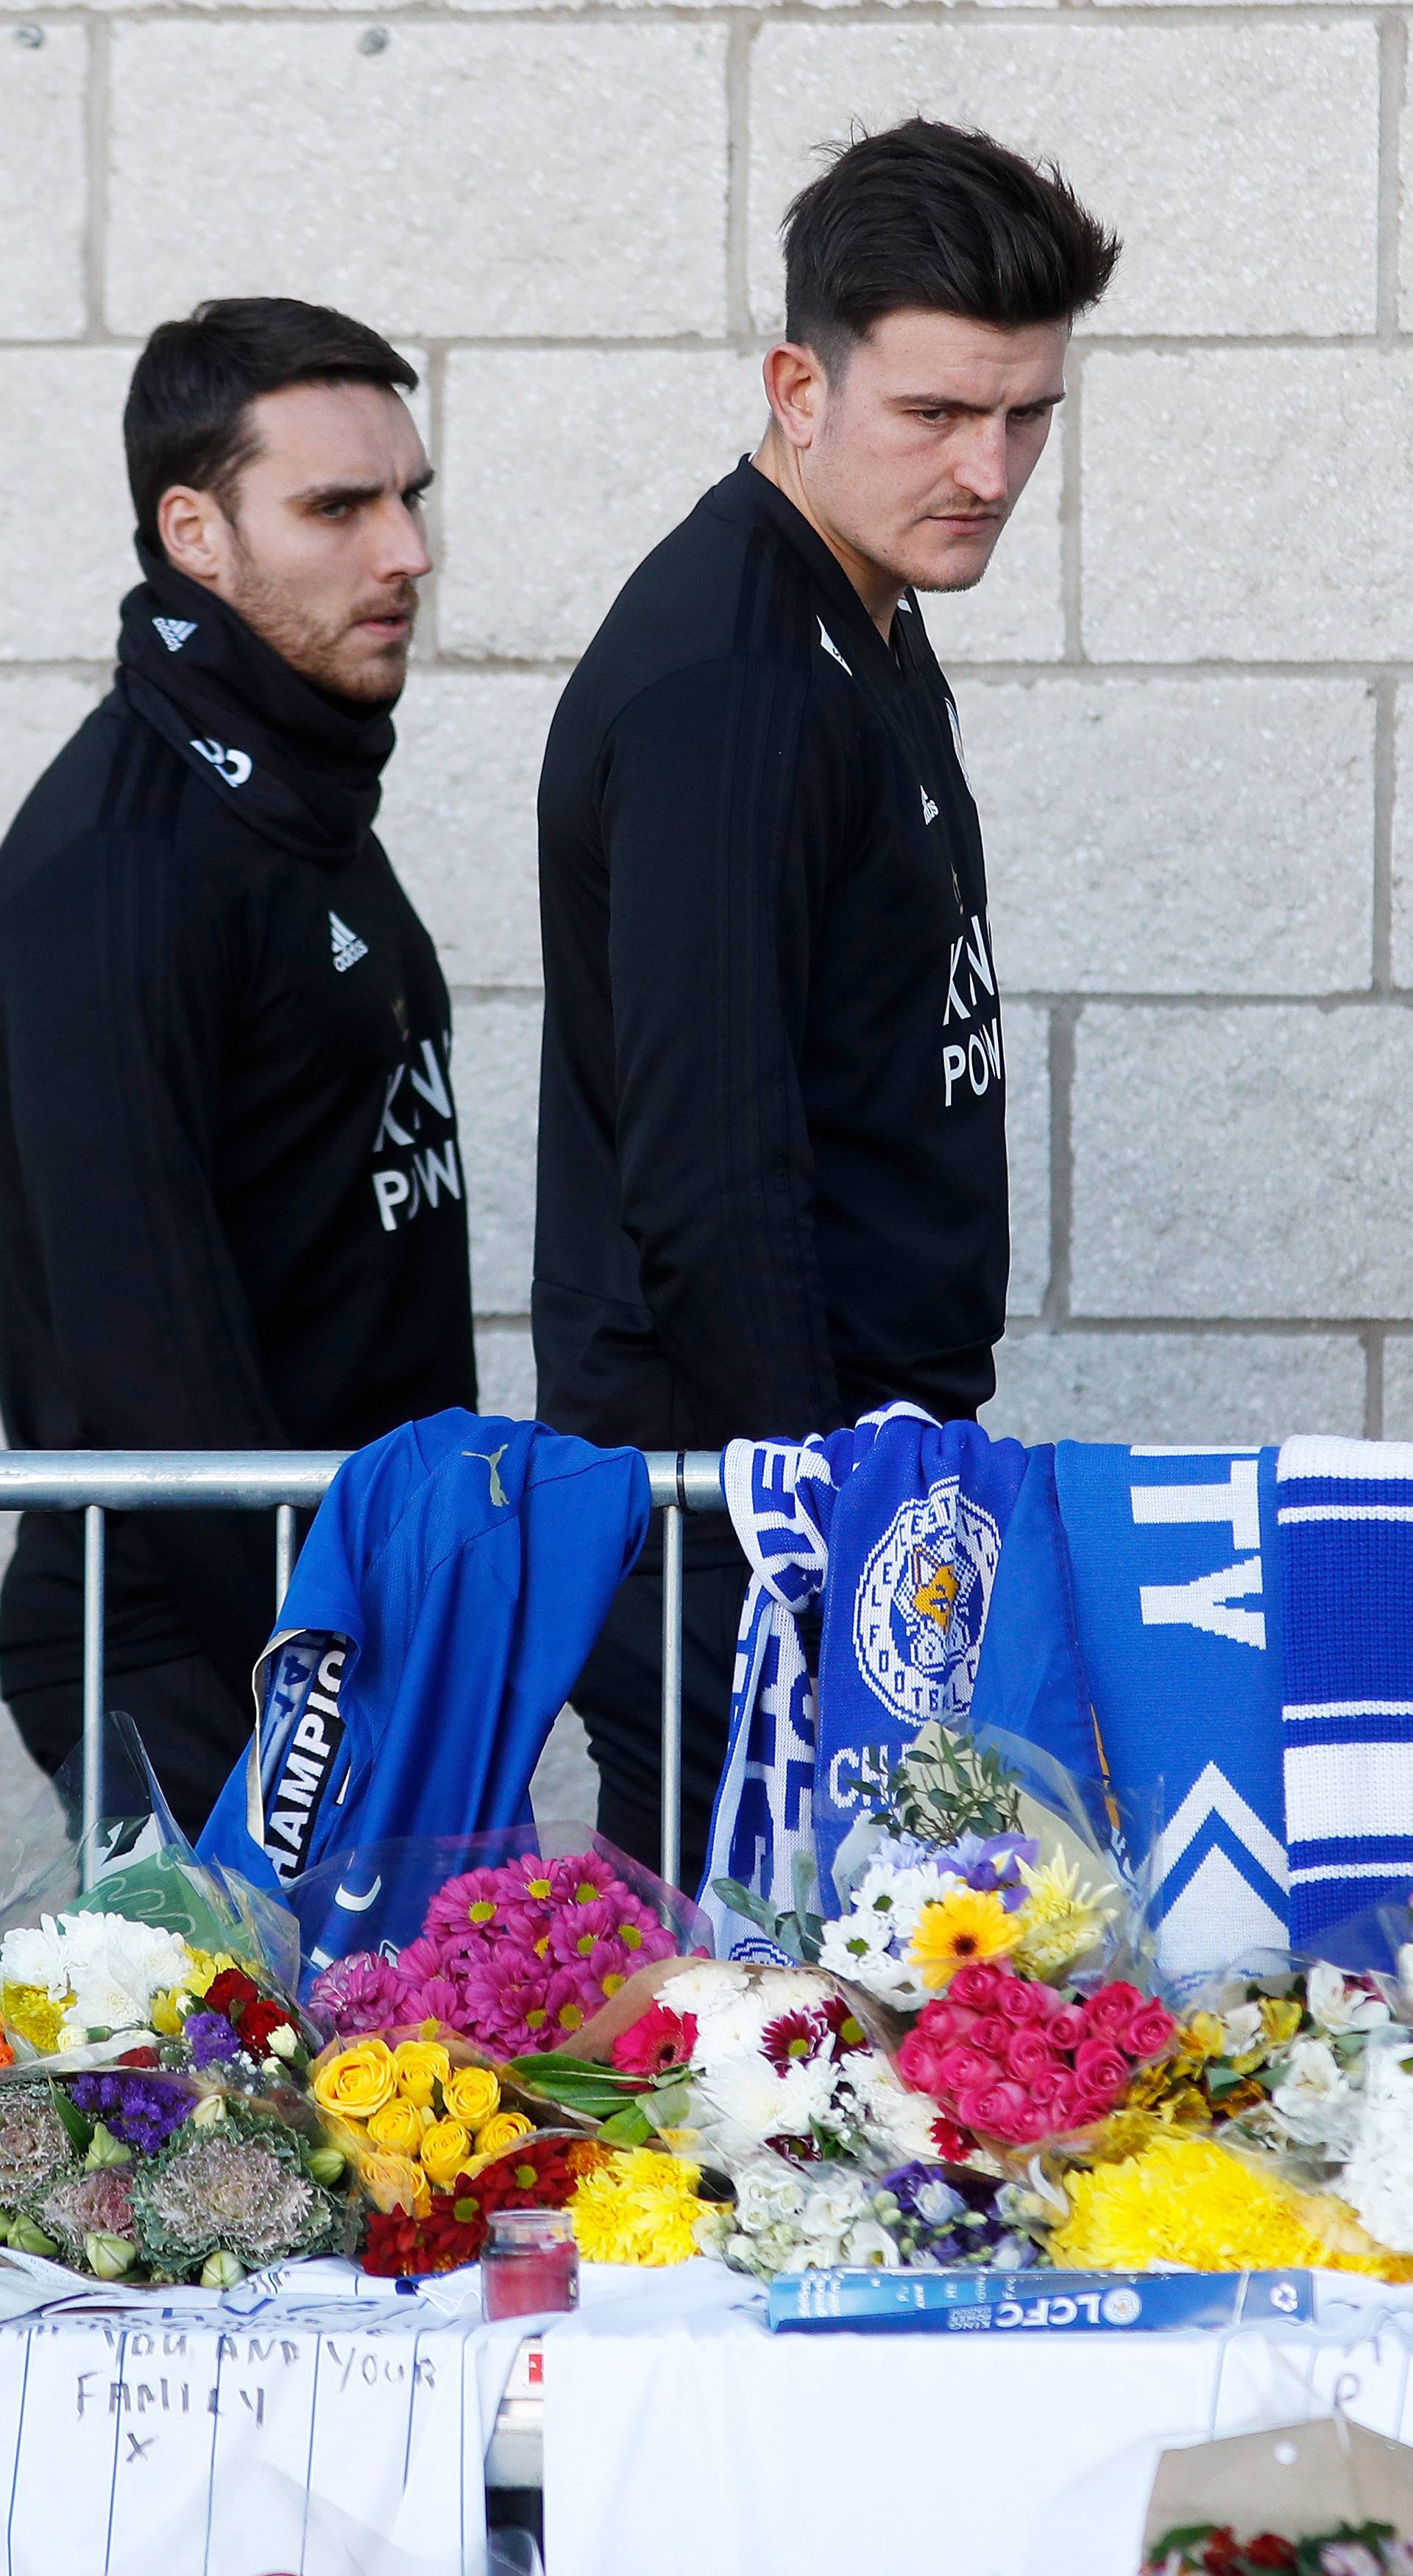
(99, 1481)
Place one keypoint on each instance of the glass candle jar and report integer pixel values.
(530, 2263)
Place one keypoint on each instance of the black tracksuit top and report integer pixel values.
(232, 1212)
(773, 1160)
(772, 1167)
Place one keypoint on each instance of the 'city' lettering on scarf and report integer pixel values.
(1206, 1601)
(307, 1769)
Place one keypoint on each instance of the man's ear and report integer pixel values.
(796, 387)
(195, 533)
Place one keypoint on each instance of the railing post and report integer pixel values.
(672, 1688)
(93, 1574)
(284, 1553)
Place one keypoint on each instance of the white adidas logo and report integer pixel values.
(348, 947)
(174, 631)
(929, 809)
(831, 647)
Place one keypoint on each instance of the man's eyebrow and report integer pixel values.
(973, 411)
(319, 495)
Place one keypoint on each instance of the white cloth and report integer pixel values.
(696, 2440)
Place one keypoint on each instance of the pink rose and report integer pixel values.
(1005, 2108)
(961, 2067)
(944, 2021)
(1150, 2031)
(968, 2106)
(991, 2034)
(1101, 2068)
(1056, 2097)
(1087, 2108)
(919, 2063)
(1048, 1998)
(1038, 2123)
(1029, 2056)
(1019, 2000)
(977, 1984)
(1066, 2028)
(1108, 2013)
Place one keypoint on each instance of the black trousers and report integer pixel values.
(619, 1697)
(192, 1726)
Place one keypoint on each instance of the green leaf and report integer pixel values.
(79, 2130)
(629, 2127)
(743, 1900)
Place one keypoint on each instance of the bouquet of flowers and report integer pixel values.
(1212, 2549)
(515, 1954)
(925, 2217)
(123, 2172)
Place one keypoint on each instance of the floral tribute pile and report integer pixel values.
(155, 2122)
(516, 1958)
(1212, 2549)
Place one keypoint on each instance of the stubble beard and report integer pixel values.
(339, 659)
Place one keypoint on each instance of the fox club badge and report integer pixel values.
(920, 1608)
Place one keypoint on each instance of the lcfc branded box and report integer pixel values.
(877, 2302)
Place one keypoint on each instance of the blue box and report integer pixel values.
(967, 2302)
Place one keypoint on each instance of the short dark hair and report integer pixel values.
(187, 414)
(927, 215)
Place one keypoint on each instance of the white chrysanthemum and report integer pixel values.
(704, 1987)
(749, 2094)
(897, 2120)
(1378, 2179)
(1335, 2006)
(852, 1944)
(34, 1956)
(110, 1967)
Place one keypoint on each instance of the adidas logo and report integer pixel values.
(348, 947)
(831, 647)
(929, 808)
(174, 631)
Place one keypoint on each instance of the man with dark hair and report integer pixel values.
(231, 1210)
(772, 1141)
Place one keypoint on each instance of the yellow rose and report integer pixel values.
(394, 2182)
(420, 2063)
(502, 2132)
(472, 2094)
(358, 2081)
(445, 2148)
(398, 2127)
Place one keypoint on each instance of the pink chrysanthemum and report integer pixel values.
(361, 1993)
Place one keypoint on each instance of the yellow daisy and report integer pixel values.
(966, 1923)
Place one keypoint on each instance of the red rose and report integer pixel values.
(1066, 2028)
(977, 1984)
(1029, 2055)
(991, 2034)
(1020, 2000)
(258, 2021)
(1269, 2550)
(230, 1993)
(1148, 2034)
(1100, 2068)
(1221, 2556)
(139, 2057)
(1108, 2013)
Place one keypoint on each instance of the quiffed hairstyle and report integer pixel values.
(187, 418)
(926, 215)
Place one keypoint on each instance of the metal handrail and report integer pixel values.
(97, 1481)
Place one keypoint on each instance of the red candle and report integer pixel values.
(530, 2263)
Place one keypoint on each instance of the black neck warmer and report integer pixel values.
(300, 766)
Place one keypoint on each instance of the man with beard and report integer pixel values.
(231, 1205)
(772, 1133)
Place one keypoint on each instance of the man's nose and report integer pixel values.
(400, 552)
(981, 466)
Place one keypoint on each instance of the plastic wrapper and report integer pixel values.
(411, 2072)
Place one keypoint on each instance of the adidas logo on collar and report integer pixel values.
(174, 631)
(831, 647)
(348, 947)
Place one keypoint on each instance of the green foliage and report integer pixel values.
(945, 1786)
(799, 1932)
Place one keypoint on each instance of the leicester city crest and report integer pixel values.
(920, 1608)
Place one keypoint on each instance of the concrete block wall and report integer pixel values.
(1187, 684)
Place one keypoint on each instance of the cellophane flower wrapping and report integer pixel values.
(416, 2108)
(514, 1940)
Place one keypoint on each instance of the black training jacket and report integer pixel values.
(772, 1167)
(232, 1208)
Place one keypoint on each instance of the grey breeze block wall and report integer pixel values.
(1185, 685)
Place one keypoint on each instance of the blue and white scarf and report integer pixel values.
(1172, 1559)
(898, 1525)
(1345, 1512)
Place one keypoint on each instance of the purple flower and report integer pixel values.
(138, 2110)
(988, 1863)
(364, 1992)
(211, 2039)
